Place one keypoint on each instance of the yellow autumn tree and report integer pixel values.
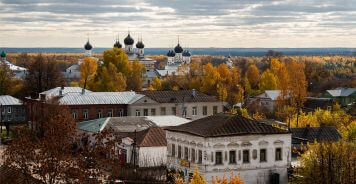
(253, 76)
(87, 70)
(210, 79)
(156, 84)
(233, 179)
(297, 90)
(134, 76)
(268, 81)
(197, 178)
(108, 79)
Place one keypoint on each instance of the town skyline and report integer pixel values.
(200, 24)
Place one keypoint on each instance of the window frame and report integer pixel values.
(194, 111)
(265, 155)
(86, 114)
(110, 112)
(219, 160)
(192, 157)
(173, 151)
(99, 113)
(153, 112)
(215, 109)
(278, 157)
(205, 110)
(200, 156)
(138, 112)
(163, 111)
(232, 159)
(248, 156)
(145, 112)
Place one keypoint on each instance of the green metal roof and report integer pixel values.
(3, 54)
(94, 126)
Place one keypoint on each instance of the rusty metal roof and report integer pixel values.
(319, 134)
(179, 96)
(151, 137)
(226, 125)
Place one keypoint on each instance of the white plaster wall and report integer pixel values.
(152, 156)
(250, 172)
(150, 104)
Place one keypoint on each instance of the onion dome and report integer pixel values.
(140, 45)
(3, 54)
(172, 53)
(88, 46)
(178, 49)
(117, 44)
(169, 53)
(186, 53)
(128, 40)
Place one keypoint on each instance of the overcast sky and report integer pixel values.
(199, 23)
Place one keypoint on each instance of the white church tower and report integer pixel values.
(140, 48)
(88, 47)
(129, 44)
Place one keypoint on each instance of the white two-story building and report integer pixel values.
(222, 143)
(190, 104)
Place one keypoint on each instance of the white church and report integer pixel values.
(19, 72)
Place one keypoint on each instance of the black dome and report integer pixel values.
(117, 44)
(186, 53)
(140, 45)
(178, 49)
(128, 40)
(171, 53)
(88, 46)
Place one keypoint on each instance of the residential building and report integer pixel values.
(87, 105)
(314, 103)
(267, 100)
(344, 96)
(190, 104)
(223, 143)
(12, 109)
(140, 136)
(304, 135)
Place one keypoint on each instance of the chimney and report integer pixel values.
(83, 91)
(194, 92)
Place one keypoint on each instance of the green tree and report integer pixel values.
(6, 79)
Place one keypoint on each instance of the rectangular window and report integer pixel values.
(278, 154)
(121, 112)
(246, 156)
(85, 113)
(218, 158)
(138, 112)
(184, 112)
(153, 112)
(192, 158)
(163, 111)
(215, 109)
(9, 117)
(75, 114)
(263, 157)
(110, 112)
(173, 150)
(232, 157)
(200, 153)
(194, 111)
(179, 152)
(9, 110)
(100, 115)
(205, 110)
(186, 154)
(145, 112)
(174, 111)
